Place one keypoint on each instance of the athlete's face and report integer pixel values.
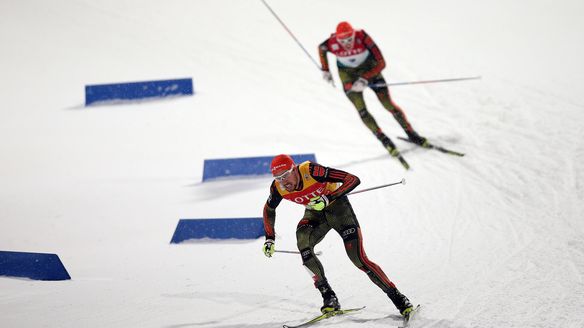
(347, 42)
(288, 179)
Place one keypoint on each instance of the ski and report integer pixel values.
(432, 146)
(325, 316)
(408, 319)
(403, 162)
(394, 153)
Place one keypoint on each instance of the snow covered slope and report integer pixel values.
(494, 239)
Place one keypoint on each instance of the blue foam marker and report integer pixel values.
(37, 266)
(236, 228)
(119, 92)
(244, 166)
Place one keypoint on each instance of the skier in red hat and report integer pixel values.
(360, 63)
(322, 190)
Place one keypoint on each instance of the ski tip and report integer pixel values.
(403, 162)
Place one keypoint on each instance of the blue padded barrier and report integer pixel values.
(241, 228)
(137, 90)
(37, 266)
(228, 167)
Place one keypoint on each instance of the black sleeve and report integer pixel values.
(269, 212)
(322, 51)
(374, 49)
(327, 174)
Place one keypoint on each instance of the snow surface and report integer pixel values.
(494, 239)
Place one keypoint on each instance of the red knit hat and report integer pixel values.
(344, 30)
(281, 163)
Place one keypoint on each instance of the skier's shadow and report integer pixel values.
(361, 161)
(393, 317)
(236, 325)
(398, 320)
(384, 156)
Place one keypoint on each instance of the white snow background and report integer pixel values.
(494, 239)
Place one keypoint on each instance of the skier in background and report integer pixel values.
(322, 190)
(360, 63)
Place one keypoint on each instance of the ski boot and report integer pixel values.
(388, 144)
(401, 302)
(392, 150)
(417, 139)
(406, 313)
(330, 303)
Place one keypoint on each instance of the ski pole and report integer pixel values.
(403, 181)
(424, 81)
(292, 35)
(295, 252)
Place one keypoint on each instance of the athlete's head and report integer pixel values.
(283, 170)
(345, 34)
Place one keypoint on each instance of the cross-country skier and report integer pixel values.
(360, 63)
(322, 190)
